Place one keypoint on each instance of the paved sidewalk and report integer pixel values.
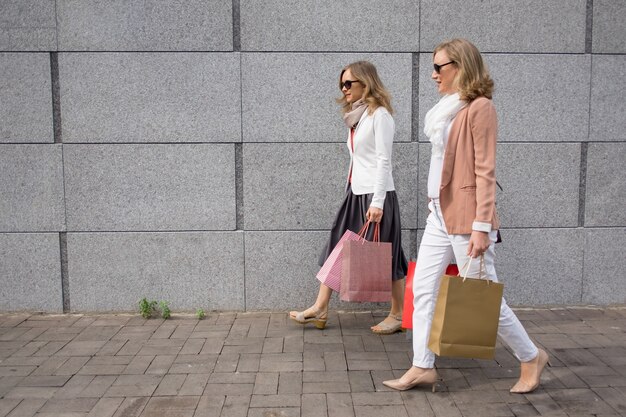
(262, 364)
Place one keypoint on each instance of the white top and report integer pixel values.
(371, 159)
(436, 166)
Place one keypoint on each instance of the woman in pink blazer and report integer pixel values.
(463, 222)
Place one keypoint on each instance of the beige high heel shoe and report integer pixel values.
(318, 319)
(425, 377)
(535, 367)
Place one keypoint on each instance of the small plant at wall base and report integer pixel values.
(165, 310)
(147, 308)
(200, 314)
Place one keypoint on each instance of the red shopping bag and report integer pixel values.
(407, 311)
(330, 273)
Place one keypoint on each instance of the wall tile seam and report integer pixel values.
(551, 228)
(589, 26)
(421, 142)
(512, 142)
(236, 20)
(140, 143)
(311, 52)
(65, 276)
(173, 231)
(404, 52)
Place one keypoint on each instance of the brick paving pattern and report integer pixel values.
(264, 365)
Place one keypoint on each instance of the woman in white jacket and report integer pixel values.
(370, 192)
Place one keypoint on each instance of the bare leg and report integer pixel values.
(318, 312)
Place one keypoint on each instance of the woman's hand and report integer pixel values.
(478, 244)
(374, 215)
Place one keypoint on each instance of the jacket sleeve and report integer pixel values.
(384, 130)
(484, 126)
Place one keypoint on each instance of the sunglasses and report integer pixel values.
(347, 84)
(438, 67)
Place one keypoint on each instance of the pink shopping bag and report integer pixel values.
(330, 273)
(366, 270)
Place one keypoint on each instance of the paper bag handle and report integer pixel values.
(480, 270)
(363, 232)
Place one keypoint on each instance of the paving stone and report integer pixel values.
(229, 389)
(6, 405)
(44, 381)
(210, 406)
(72, 365)
(283, 411)
(249, 362)
(358, 361)
(325, 387)
(138, 365)
(31, 392)
(68, 405)
(581, 401)
(27, 408)
(134, 386)
(192, 347)
(193, 364)
(131, 407)
(443, 404)
(105, 407)
(161, 364)
(172, 403)
(417, 404)
(335, 361)
(195, 384)
(290, 383)
(280, 400)
(281, 362)
(314, 405)
(266, 383)
(339, 405)
(170, 385)
(379, 410)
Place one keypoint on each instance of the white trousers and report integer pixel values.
(435, 253)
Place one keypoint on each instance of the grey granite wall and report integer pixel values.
(193, 152)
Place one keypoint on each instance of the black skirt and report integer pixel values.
(351, 215)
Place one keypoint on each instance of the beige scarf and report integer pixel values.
(352, 117)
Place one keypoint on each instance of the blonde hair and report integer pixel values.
(374, 94)
(472, 79)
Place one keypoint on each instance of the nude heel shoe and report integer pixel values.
(426, 377)
(318, 319)
(537, 365)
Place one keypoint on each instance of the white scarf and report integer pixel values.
(438, 117)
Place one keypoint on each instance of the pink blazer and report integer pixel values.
(468, 178)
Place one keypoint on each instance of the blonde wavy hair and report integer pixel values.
(472, 79)
(375, 94)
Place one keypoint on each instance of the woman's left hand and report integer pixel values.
(374, 215)
(478, 244)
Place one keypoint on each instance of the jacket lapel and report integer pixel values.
(453, 139)
(361, 121)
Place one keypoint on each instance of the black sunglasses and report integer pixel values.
(347, 84)
(438, 67)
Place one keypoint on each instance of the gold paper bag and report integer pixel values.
(465, 320)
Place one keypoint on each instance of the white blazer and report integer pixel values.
(371, 160)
